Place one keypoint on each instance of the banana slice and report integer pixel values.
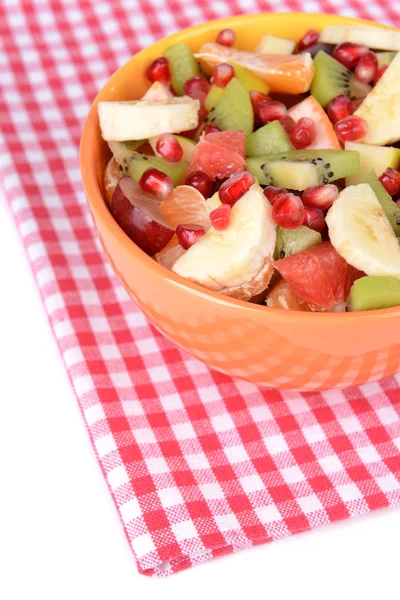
(373, 37)
(238, 261)
(142, 119)
(381, 108)
(361, 232)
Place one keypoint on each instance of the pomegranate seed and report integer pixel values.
(220, 217)
(222, 74)
(339, 108)
(366, 68)
(320, 196)
(169, 148)
(159, 71)
(390, 179)
(309, 39)
(351, 128)
(201, 182)
(189, 234)
(271, 110)
(196, 84)
(355, 104)
(256, 99)
(157, 183)
(272, 193)
(349, 54)
(303, 133)
(314, 218)
(235, 187)
(379, 74)
(287, 123)
(288, 211)
(226, 37)
(210, 128)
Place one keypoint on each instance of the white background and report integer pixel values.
(60, 537)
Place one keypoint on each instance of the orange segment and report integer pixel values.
(291, 74)
(186, 205)
(325, 137)
(281, 296)
(111, 177)
(168, 256)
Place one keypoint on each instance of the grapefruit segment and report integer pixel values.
(186, 205)
(216, 161)
(291, 74)
(325, 136)
(230, 140)
(281, 296)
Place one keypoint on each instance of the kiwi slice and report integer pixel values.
(182, 65)
(370, 293)
(331, 78)
(269, 139)
(233, 110)
(213, 97)
(391, 210)
(290, 241)
(134, 163)
(299, 169)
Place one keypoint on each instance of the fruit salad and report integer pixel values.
(270, 176)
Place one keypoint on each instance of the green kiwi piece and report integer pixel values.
(182, 65)
(269, 139)
(371, 293)
(134, 163)
(233, 109)
(299, 169)
(331, 79)
(290, 241)
(392, 211)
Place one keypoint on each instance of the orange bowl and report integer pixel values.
(272, 347)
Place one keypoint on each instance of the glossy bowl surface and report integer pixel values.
(277, 348)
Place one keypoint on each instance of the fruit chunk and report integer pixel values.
(236, 261)
(302, 135)
(222, 74)
(281, 296)
(111, 176)
(361, 233)
(220, 155)
(158, 92)
(182, 64)
(325, 136)
(226, 37)
(213, 97)
(290, 74)
(270, 44)
(381, 108)
(159, 71)
(135, 163)
(213, 202)
(288, 211)
(373, 37)
(318, 276)
(269, 139)
(309, 39)
(385, 58)
(186, 205)
(235, 187)
(186, 144)
(390, 208)
(300, 169)
(233, 110)
(168, 256)
(332, 79)
(140, 216)
(248, 80)
(372, 158)
(290, 241)
(141, 119)
(157, 183)
(201, 182)
(371, 293)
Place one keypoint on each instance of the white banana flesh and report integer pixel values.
(270, 44)
(361, 233)
(142, 119)
(381, 108)
(373, 37)
(238, 260)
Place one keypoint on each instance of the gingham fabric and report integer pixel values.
(198, 464)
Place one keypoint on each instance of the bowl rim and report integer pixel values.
(100, 211)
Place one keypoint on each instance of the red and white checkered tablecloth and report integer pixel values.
(198, 464)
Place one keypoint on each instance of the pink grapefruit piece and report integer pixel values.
(325, 136)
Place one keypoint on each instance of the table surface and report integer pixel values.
(60, 534)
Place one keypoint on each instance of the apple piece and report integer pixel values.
(139, 215)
